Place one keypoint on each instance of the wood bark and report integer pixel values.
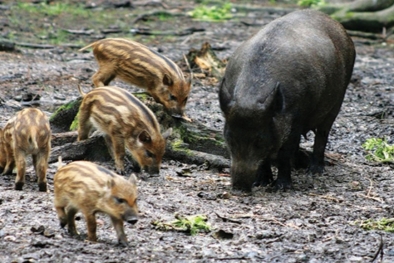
(191, 142)
(363, 15)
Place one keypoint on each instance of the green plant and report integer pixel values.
(311, 3)
(53, 9)
(379, 150)
(191, 224)
(385, 224)
(74, 125)
(213, 13)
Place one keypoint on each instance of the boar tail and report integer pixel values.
(88, 46)
(189, 68)
(32, 139)
(59, 162)
(80, 91)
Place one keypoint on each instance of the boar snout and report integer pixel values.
(176, 112)
(153, 171)
(132, 220)
(130, 217)
(243, 175)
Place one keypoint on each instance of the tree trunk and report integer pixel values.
(363, 15)
(191, 142)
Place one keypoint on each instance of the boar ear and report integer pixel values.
(274, 101)
(133, 179)
(279, 103)
(167, 80)
(167, 133)
(144, 137)
(225, 98)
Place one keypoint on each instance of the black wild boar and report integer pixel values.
(286, 80)
(90, 188)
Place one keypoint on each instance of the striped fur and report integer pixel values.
(3, 157)
(137, 64)
(127, 122)
(90, 188)
(27, 133)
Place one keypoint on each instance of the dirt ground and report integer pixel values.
(313, 223)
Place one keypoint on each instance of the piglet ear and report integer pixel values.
(144, 137)
(167, 133)
(167, 80)
(133, 179)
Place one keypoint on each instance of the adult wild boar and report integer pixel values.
(286, 80)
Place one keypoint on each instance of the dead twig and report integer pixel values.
(226, 219)
(368, 195)
(380, 251)
(147, 32)
(336, 200)
(373, 198)
(146, 16)
(31, 45)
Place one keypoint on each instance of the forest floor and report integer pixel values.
(318, 221)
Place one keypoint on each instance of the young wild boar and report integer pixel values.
(286, 80)
(90, 188)
(143, 67)
(3, 150)
(27, 133)
(126, 122)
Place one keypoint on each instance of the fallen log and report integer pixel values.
(363, 15)
(95, 149)
(191, 142)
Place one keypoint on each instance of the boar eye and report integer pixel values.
(172, 97)
(149, 154)
(119, 200)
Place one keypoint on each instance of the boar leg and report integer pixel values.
(118, 225)
(61, 214)
(317, 161)
(72, 229)
(21, 170)
(92, 226)
(103, 77)
(119, 153)
(84, 125)
(264, 174)
(321, 137)
(285, 155)
(8, 167)
(10, 162)
(40, 166)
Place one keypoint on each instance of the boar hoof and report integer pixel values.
(42, 187)
(282, 185)
(262, 182)
(123, 243)
(19, 186)
(154, 175)
(243, 188)
(316, 169)
(92, 240)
